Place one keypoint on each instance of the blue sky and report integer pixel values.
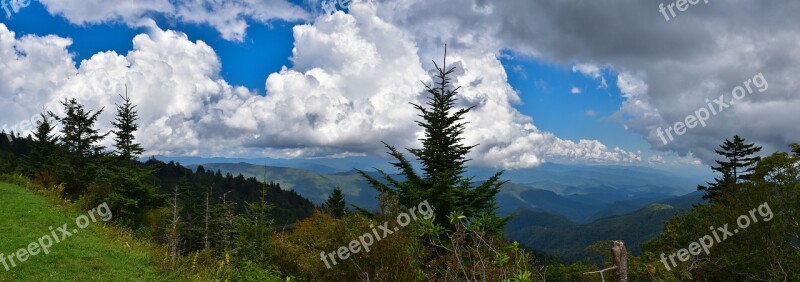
(546, 94)
(338, 94)
(266, 49)
(544, 88)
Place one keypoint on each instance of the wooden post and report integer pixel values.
(620, 261)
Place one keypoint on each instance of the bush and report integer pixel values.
(394, 258)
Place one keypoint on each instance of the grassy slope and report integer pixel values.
(96, 253)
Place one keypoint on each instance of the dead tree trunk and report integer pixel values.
(207, 218)
(173, 236)
(227, 222)
(620, 261)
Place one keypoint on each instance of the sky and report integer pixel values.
(597, 82)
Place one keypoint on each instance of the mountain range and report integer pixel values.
(557, 208)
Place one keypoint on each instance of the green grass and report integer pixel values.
(96, 253)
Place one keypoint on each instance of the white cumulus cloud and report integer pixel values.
(352, 79)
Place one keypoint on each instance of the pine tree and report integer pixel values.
(43, 158)
(335, 205)
(44, 132)
(737, 166)
(125, 126)
(80, 139)
(443, 157)
(78, 132)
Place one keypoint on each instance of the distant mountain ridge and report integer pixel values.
(591, 193)
(313, 185)
(554, 211)
(556, 235)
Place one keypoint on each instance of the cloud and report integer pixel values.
(591, 113)
(344, 94)
(229, 18)
(508, 138)
(591, 71)
(520, 71)
(668, 69)
(83, 12)
(352, 78)
(575, 90)
(33, 68)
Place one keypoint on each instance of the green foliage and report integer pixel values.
(78, 132)
(287, 205)
(443, 159)
(125, 187)
(45, 162)
(130, 189)
(80, 138)
(394, 258)
(335, 205)
(739, 162)
(558, 236)
(224, 224)
(125, 126)
(104, 252)
(469, 253)
(766, 250)
(254, 230)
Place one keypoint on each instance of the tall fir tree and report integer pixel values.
(78, 133)
(131, 190)
(80, 138)
(335, 205)
(43, 160)
(125, 126)
(443, 159)
(739, 162)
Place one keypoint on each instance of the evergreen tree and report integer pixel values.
(78, 132)
(122, 182)
(737, 166)
(125, 126)
(443, 159)
(43, 161)
(44, 132)
(335, 205)
(125, 187)
(80, 139)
